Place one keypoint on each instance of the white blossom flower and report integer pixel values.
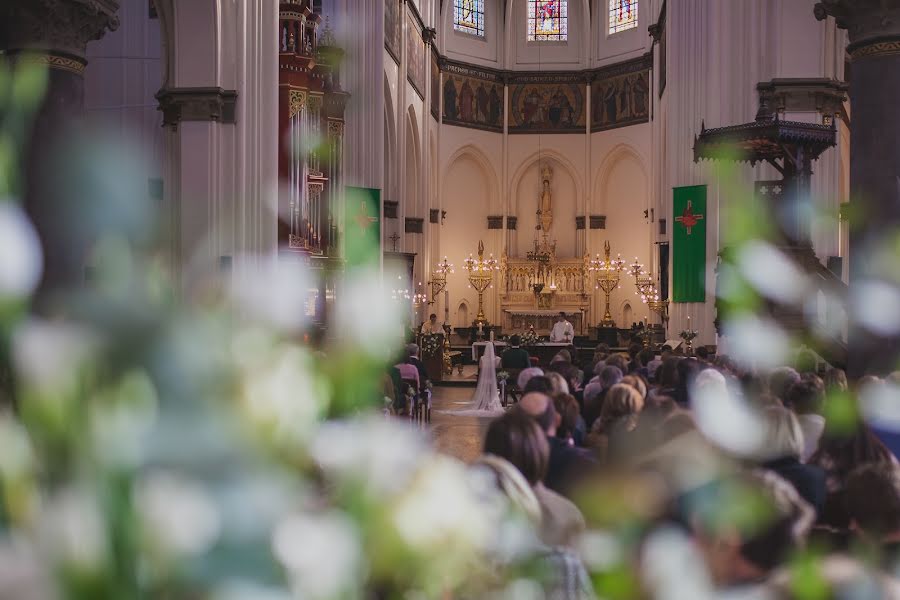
(439, 511)
(47, 354)
(724, 417)
(322, 554)
(120, 426)
(876, 306)
(757, 342)
(177, 514)
(673, 567)
(272, 290)
(367, 318)
(16, 453)
(21, 259)
(282, 395)
(383, 454)
(72, 528)
(772, 273)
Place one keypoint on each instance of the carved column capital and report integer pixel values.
(873, 25)
(56, 27)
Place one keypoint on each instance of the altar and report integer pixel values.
(536, 285)
(544, 351)
(518, 320)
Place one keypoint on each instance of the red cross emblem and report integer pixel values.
(688, 218)
(363, 219)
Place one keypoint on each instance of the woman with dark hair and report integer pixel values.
(839, 455)
(688, 369)
(571, 428)
(667, 377)
(519, 439)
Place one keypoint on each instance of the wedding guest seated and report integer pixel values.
(688, 369)
(515, 357)
(619, 361)
(807, 399)
(571, 429)
(780, 381)
(657, 361)
(567, 464)
(702, 354)
(839, 454)
(741, 559)
(563, 356)
(412, 351)
(872, 500)
(594, 393)
(518, 438)
(539, 383)
(526, 375)
(558, 383)
(618, 418)
(781, 450)
(561, 573)
(835, 379)
(409, 371)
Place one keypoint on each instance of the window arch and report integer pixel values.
(468, 16)
(623, 15)
(548, 20)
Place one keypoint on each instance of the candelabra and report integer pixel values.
(481, 273)
(419, 299)
(439, 278)
(608, 273)
(643, 281)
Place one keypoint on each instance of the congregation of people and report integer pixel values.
(834, 485)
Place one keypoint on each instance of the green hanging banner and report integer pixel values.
(362, 226)
(689, 244)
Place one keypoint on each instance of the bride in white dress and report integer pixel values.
(486, 401)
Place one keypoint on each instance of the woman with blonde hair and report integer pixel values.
(559, 383)
(618, 416)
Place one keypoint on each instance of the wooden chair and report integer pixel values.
(511, 389)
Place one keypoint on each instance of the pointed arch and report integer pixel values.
(390, 144)
(607, 166)
(480, 158)
(534, 158)
(413, 167)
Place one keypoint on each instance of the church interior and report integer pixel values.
(344, 299)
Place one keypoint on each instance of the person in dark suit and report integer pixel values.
(515, 357)
(412, 358)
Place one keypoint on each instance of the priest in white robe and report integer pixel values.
(562, 331)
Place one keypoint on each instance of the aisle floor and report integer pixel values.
(458, 436)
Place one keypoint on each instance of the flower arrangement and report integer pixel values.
(688, 334)
(530, 338)
(431, 344)
(502, 376)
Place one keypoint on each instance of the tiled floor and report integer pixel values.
(458, 436)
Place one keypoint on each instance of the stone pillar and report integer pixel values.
(874, 31)
(55, 33)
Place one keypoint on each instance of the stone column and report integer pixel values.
(55, 33)
(874, 31)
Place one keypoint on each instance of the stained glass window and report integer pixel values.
(548, 20)
(468, 16)
(623, 15)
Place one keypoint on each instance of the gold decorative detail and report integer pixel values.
(314, 102)
(876, 48)
(296, 102)
(335, 128)
(53, 61)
